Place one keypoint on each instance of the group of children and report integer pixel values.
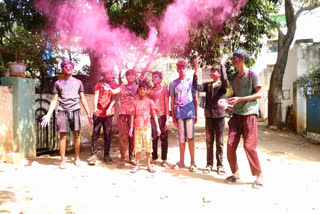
(144, 116)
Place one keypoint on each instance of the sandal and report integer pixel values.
(207, 170)
(133, 162)
(121, 165)
(77, 163)
(134, 170)
(151, 170)
(92, 160)
(193, 168)
(62, 165)
(178, 165)
(257, 184)
(164, 164)
(231, 179)
(221, 170)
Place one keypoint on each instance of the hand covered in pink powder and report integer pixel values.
(45, 120)
(158, 131)
(223, 102)
(90, 120)
(131, 132)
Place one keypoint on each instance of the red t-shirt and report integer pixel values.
(142, 110)
(158, 96)
(104, 99)
(128, 97)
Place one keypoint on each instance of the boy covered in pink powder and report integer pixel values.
(160, 96)
(67, 92)
(127, 103)
(104, 109)
(140, 121)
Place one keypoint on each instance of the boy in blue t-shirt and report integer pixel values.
(184, 112)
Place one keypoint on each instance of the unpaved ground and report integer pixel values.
(291, 166)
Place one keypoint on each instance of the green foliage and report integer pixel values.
(135, 15)
(243, 30)
(22, 37)
(20, 41)
(311, 79)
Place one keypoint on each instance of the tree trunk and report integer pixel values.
(95, 70)
(275, 88)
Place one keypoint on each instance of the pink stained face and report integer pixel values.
(131, 78)
(108, 76)
(156, 79)
(215, 74)
(67, 69)
(181, 70)
(237, 60)
(142, 91)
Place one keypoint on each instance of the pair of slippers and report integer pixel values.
(220, 170)
(257, 184)
(135, 170)
(62, 165)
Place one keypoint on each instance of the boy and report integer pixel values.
(104, 109)
(67, 91)
(184, 112)
(246, 87)
(214, 114)
(140, 120)
(160, 96)
(127, 103)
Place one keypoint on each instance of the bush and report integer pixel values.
(311, 79)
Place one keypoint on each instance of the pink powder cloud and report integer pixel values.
(85, 24)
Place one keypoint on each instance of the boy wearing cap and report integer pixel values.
(184, 112)
(214, 114)
(246, 87)
(67, 91)
(104, 109)
(140, 123)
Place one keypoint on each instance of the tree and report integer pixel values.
(241, 30)
(22, 29)
(284, 42)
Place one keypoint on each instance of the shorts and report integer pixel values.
(68, 120)
(185, 129)
(142, 136)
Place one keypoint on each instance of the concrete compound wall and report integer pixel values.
(308, 54)
(6, 122)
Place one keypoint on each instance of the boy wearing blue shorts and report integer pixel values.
(184, 112)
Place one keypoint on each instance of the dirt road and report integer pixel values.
(291, 166)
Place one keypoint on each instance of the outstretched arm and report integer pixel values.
(195, 84)
(46, 118)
